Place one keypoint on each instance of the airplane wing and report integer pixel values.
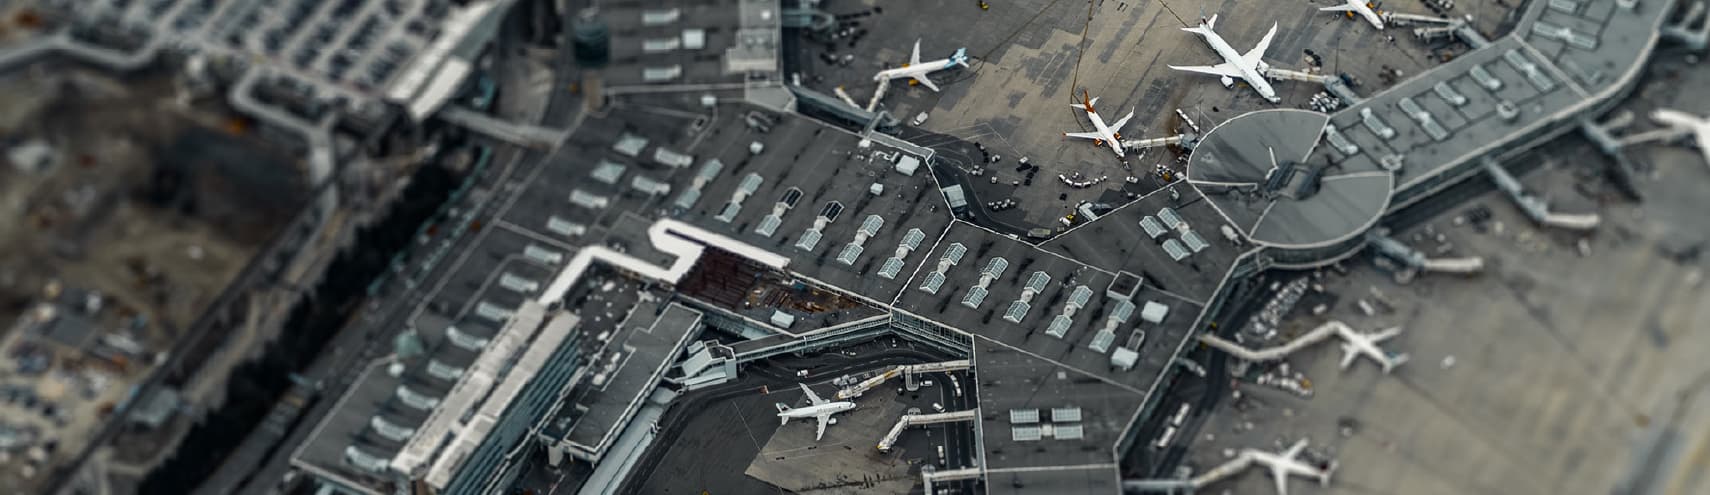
(1281, 477)
(915, 58)
(1338, 8)
(1258, 52)
(823, 419)
(926, 82)
(1349, 354)
(1224, 69)
(1117, 127)
(1703, 137)
(1083, 135)
(812, 397)
(1674, 118)
(1385, 334)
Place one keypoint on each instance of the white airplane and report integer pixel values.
(1286, 463)
(918, 70)
(1102, 134)
(1249, 66)
(820, 408)
(1692, 125)
(1356, 344)
(1360, 7)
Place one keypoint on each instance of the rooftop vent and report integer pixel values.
(746, 188)
(1077, 299)
(769, 225)
(811, 237)
(952, 256)
(707, 173)
(977, 294)
(1035, 284)
(910, 242)
(869, 228)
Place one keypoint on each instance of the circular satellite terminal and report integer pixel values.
(1255, 170)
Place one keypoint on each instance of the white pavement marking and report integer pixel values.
(744, 420)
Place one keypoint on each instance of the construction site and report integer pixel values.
(124, 212)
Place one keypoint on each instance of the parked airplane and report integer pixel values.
(1360, 7)
(1356, 344)
(819, 408)
(918, 70)
(1102, 134)
(1286, 463)
(1249, 66)
(1696, 127)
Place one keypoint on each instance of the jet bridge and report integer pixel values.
(1684, 33)
(1431, 27)
(908, 420)
(1621, 171)
(1325, 331)
(909, 369)
(1234, 466)
(1245, 459)
(930, 476)
(1139, 144)
(1535, 207)
(1332, 83)
(1415, 259)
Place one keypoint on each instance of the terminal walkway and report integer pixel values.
(531, 136)
(908, 420)
(1325, 331)
(906, 370)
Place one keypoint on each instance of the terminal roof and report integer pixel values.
(806, 172)
(1256, 171)
(699, 43)
(374, 419)
(1117, 241)
(1089, 340)
(1018, 392)
(626, 368)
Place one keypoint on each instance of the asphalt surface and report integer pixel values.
(686, 416)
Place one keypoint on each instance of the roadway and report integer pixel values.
(960, 447)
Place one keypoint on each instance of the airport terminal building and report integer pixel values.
(830, 236)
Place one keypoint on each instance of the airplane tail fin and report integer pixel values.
(960, 57)
(1395, 361)
(784, 420)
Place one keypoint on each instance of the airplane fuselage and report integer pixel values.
(1287, 465)
(1367, 12)
(1110, 138)
(815, 411)
(1253, 74)
(913, 70)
